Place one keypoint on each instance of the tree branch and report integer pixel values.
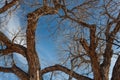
(80, 22)
(32, 57)
(7, 6)
(92, 47)
(45, 10)
(16, 70)
(116, 70)
(110, 37)
(66, 70)
(84, 44)
(11, 47)
(4, 39)
(20, 73)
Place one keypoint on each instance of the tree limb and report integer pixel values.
(7, 6)
(84, 44)
(79, 22)
(92, 47)
(16, 70)
(4, 39)
(116, 70)
(32, 57)
(110, 37)
(65, 70)
(11, 47)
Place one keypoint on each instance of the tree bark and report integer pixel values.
(32, 57)
(8, 6)
(116, 70)
(65, 70)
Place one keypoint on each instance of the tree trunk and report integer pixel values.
(116, 70)
(93, 56)
(32, 57)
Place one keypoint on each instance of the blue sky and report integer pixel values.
(46, 46)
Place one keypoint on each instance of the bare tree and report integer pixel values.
(96, 33)
(95, 47)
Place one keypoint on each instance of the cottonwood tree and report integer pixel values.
(95, 30)
(100, 18)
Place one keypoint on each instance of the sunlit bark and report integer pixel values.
(100, 71)
(65, 70)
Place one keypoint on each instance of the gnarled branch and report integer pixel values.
(65, 70)
(9, 5)
(11, 47)
(16, 70)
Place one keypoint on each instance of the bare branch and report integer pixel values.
(11, 47)
(9, 5)
(14, 69)
(116, 70)
(66, 70)
(31, 51)
(20, 73)
(108, 50)
(84, 44)
(5, 39)
(80, 22)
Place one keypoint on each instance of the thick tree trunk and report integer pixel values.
(105, 67)
(105, 72)
(93, 56)
(96, 68)
(32, 57)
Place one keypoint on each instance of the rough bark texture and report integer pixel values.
(93, 56)
(100, 71)
(16, 70)
(66, 70)
(8, 6)
(116, 70)
(32, 57)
